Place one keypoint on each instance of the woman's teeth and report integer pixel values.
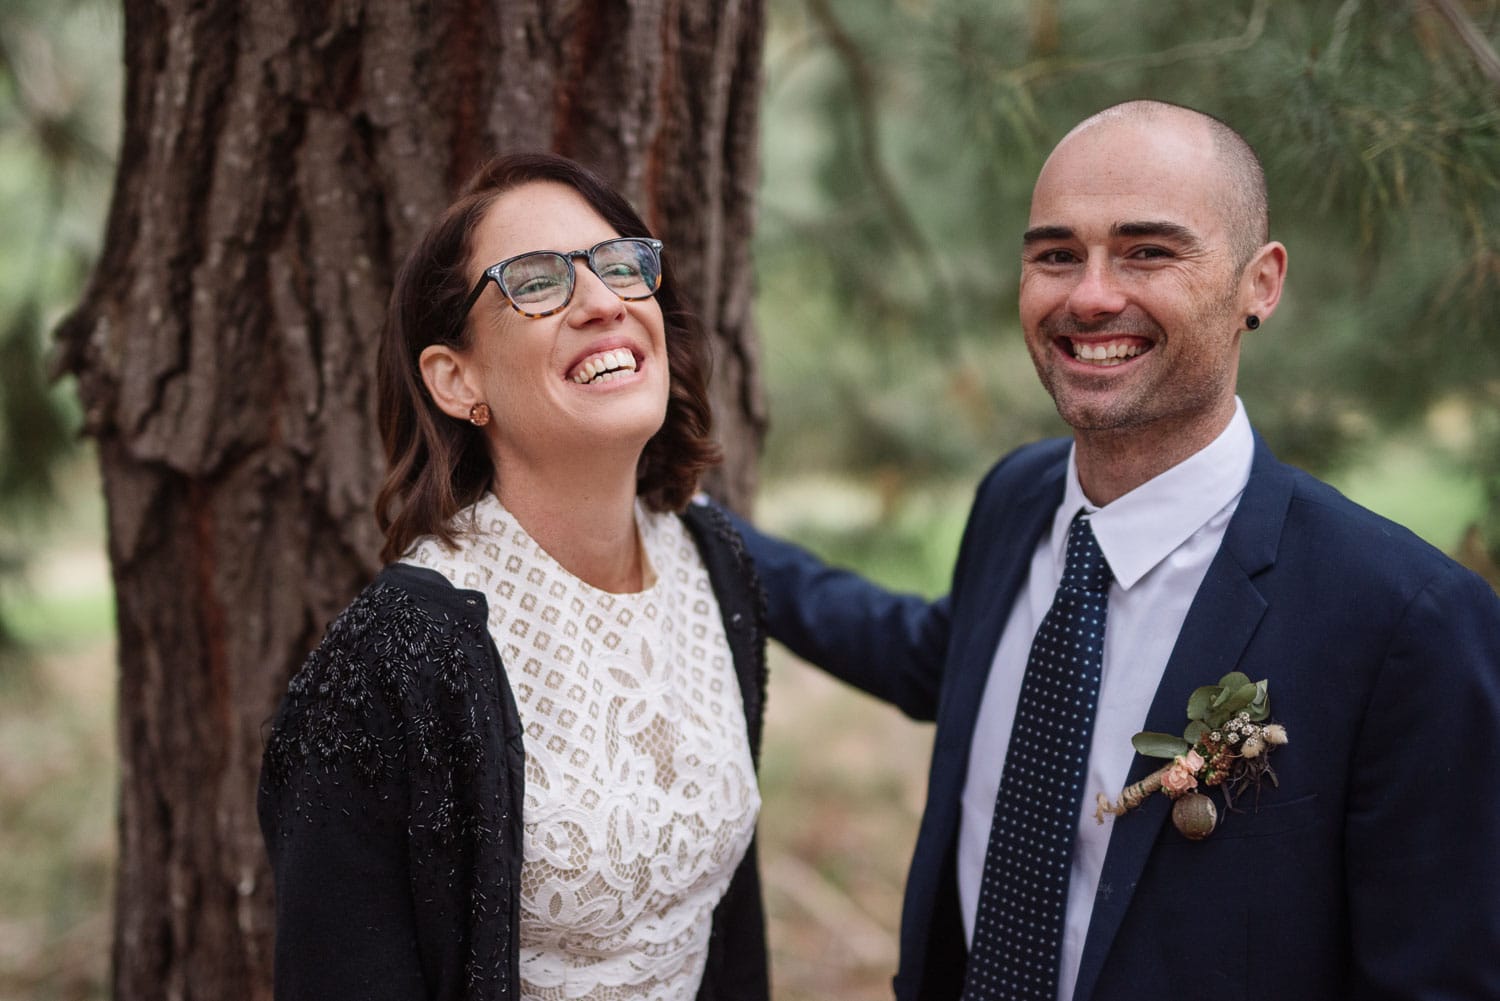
(1110, 353)
(606, 366)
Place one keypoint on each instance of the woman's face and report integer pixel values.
(586, 383)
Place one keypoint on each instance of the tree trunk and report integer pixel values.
(278, 159)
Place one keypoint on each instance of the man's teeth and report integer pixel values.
(605, 367)
(1111, 353)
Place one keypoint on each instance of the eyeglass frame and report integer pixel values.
(492, 274)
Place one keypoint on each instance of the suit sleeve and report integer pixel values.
(1423, 820)
(887, 644)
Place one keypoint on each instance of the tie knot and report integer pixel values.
(1084, 566)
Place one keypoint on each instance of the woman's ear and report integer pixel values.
(446, 373)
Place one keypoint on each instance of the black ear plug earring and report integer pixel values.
(1252, 321)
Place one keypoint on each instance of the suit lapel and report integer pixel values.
(1000, 569)
(1220, 623)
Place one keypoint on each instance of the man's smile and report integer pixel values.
(1107, 353)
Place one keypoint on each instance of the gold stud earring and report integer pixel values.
(479, 414)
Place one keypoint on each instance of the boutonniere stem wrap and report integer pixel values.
(1227, 745)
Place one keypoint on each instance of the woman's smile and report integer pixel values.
(601, 367)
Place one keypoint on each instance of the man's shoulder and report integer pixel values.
(1343, 537)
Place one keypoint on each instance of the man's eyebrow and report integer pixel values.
(1165, 230)
(1038, 234)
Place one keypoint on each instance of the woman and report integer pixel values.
(521, 763)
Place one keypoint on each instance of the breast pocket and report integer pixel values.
(1267, 820)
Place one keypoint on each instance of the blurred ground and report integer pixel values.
(843, 780)
(57, 823)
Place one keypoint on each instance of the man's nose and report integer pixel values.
(1098, 292)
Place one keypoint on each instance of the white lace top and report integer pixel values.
(640, 793)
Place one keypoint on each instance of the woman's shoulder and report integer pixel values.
(410, 645)
(399, 693)
(407, 631)
(401, 613)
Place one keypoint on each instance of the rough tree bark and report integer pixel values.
(277, 160)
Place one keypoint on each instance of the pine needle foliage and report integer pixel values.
(1379, 124)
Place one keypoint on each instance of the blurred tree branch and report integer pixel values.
(1040, 69)
(863, 87)
(1473, 39)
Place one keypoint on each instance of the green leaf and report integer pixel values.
(1200, 700)
(1229, 703)
(1159, 745)
(1241, 698)
(1234, 680)
(1195, 731)
(1260, 706)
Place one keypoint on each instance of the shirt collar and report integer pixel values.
(1140, 529)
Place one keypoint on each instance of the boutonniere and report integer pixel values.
(1226, 744)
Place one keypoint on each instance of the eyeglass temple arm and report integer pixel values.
(463, 314)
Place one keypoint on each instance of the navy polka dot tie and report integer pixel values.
(1023, 894)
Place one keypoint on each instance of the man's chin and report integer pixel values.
(1084, 414)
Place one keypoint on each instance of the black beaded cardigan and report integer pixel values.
(391, 790)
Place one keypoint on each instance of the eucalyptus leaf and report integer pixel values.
(1200, 700)
(1195, 731)
(1233, 680)
(1159, 745)
(1230, 703)
(1260, 706)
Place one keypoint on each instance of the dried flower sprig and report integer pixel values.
(1227, 744)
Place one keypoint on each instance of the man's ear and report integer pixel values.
(1262, 280)
(446, 373)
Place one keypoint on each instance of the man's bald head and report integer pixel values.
(1246, 209)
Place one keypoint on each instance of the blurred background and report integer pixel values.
(899, 142)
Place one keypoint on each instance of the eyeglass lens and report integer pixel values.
(541, 282)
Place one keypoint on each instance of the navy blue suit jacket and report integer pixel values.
(1371, 871)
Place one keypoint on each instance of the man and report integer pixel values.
(1368, 868)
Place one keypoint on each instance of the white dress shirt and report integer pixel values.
(1159, 540)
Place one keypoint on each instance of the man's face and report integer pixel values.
(1130, 293)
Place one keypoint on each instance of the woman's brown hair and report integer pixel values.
(436, 465)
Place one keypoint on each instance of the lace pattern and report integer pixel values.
(640, 791)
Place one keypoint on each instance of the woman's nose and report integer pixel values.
(592, 299)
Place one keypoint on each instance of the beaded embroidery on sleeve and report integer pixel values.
(386, 716)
